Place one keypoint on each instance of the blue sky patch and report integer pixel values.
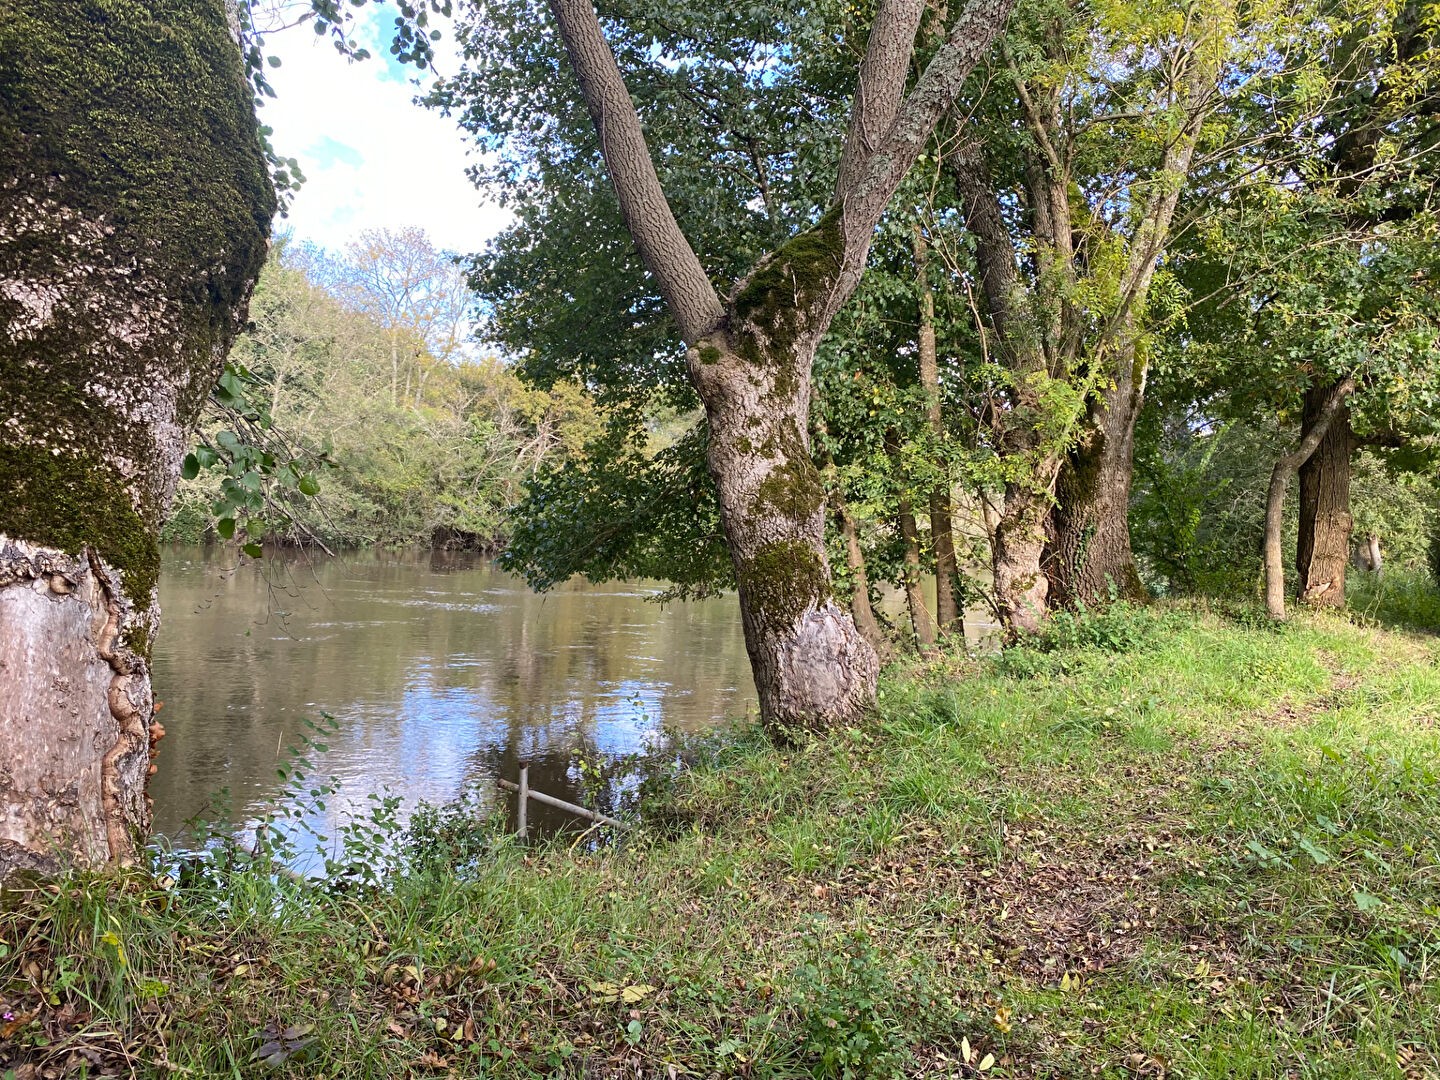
(327, 151)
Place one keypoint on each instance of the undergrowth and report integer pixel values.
(1163, 842)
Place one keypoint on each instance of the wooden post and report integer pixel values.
(522, 828)
(561, 804)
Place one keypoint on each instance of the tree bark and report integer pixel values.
(750, 355)
(1323, 543)
(1088, 557)
(134, 210)
(1017, 533)
(921, 624)
(812, 667)
(1021, 587)
(942, 519)
(1042, 332)
(1275, 501)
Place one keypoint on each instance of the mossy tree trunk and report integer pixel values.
(1323, 543)
(750, 353)
(812, 666)
(134, 210)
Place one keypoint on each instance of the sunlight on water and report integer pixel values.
(441, 672)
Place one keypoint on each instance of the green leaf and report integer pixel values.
(190, 467)
(1365, 902)
(253, 549)
(309, 485)
(225, 527)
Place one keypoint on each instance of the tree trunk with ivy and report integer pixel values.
(1088, 556)
(750, 353)
(1322, 547)
(134, 210)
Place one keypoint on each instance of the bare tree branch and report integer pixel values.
(880, 87)
(868, 191)
(667, 254)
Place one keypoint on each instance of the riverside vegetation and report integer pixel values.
(1092, 283)
(1171, 841)
(362, 365)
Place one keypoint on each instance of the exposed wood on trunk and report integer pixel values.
(942, 524)
(1322, 546)
(1275, 501)
(134, 211)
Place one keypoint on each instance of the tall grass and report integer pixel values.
(1196, 846)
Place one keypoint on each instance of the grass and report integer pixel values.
(1192, 846)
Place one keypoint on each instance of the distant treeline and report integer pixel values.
(364, 361)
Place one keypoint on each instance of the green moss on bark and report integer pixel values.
(770, 307)
(144, 116)
(792, 488)
(137, 639)
(782, 580)
(72, 503)
(128, 130)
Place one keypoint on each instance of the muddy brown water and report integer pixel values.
(441, 673)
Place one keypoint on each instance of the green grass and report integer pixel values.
(1195, 846)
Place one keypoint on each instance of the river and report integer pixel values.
(441, 673)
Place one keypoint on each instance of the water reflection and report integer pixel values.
(441, 673)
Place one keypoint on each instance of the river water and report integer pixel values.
(441, 673)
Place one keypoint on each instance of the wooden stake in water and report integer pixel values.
(525, 792)
(521, 825)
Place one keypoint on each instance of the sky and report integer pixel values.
(371, 157)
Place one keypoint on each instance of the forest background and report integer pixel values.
(529, 398)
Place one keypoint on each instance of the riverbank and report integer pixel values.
(1166, 843)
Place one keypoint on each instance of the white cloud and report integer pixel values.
(372, 158)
